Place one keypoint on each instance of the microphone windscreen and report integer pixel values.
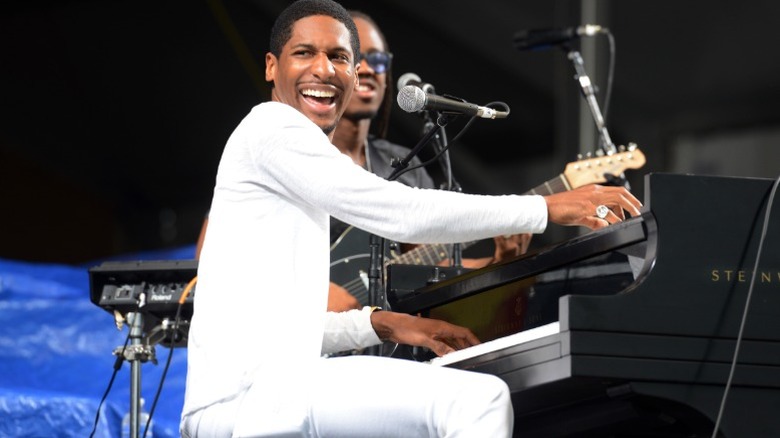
(411, 99)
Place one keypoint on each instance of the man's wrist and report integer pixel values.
(381, 323)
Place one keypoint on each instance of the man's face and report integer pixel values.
(370, 91)
(315, 72)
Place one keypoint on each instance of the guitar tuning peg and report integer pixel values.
(579, 157)
(621, 148)
(588, 155)
(599, 153)
(632, 146)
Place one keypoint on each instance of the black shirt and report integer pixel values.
(380, 153)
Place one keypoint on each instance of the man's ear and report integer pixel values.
(270, 67)
(357, 77)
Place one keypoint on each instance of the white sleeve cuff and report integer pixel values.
(348, 331)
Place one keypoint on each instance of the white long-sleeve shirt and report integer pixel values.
(260, 314)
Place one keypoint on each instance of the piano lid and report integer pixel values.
(632, 231)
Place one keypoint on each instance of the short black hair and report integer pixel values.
(281, 32)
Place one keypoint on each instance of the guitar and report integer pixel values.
(349, 253)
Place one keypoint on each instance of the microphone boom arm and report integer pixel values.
(404, 163)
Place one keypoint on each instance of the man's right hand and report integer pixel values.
(578, 206)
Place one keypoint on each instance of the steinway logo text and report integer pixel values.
(730, 275)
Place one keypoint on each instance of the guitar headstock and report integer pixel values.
(592, 170)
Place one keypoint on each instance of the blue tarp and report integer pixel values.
(56, 356)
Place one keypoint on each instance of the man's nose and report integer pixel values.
(322, 66)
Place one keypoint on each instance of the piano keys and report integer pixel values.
(498, 344)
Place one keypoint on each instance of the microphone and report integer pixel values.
(412, 99)
(540, 39)
(413, 79)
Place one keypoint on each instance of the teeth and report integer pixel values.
(364, 88)
(317, 93)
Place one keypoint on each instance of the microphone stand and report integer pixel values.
(590, 97)
(376, 296)
(441, 143)
(401, 165)
(137, 352)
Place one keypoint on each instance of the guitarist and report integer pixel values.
(361, 134)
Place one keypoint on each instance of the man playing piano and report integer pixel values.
(260, 324)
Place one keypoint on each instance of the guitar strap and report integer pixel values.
(337, 229)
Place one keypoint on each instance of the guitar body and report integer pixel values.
(349, 262)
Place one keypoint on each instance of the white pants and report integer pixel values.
(365, 396)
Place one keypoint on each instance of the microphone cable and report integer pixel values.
(733, 367)
(454, 139)
(117, 366)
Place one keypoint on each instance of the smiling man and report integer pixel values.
(315, 71)
(260, 326)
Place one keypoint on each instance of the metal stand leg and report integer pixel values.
(136, 353)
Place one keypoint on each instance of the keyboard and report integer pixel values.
(497, 344)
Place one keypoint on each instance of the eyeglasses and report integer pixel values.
(378, 61)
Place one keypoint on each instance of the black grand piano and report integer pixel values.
(637, 324)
